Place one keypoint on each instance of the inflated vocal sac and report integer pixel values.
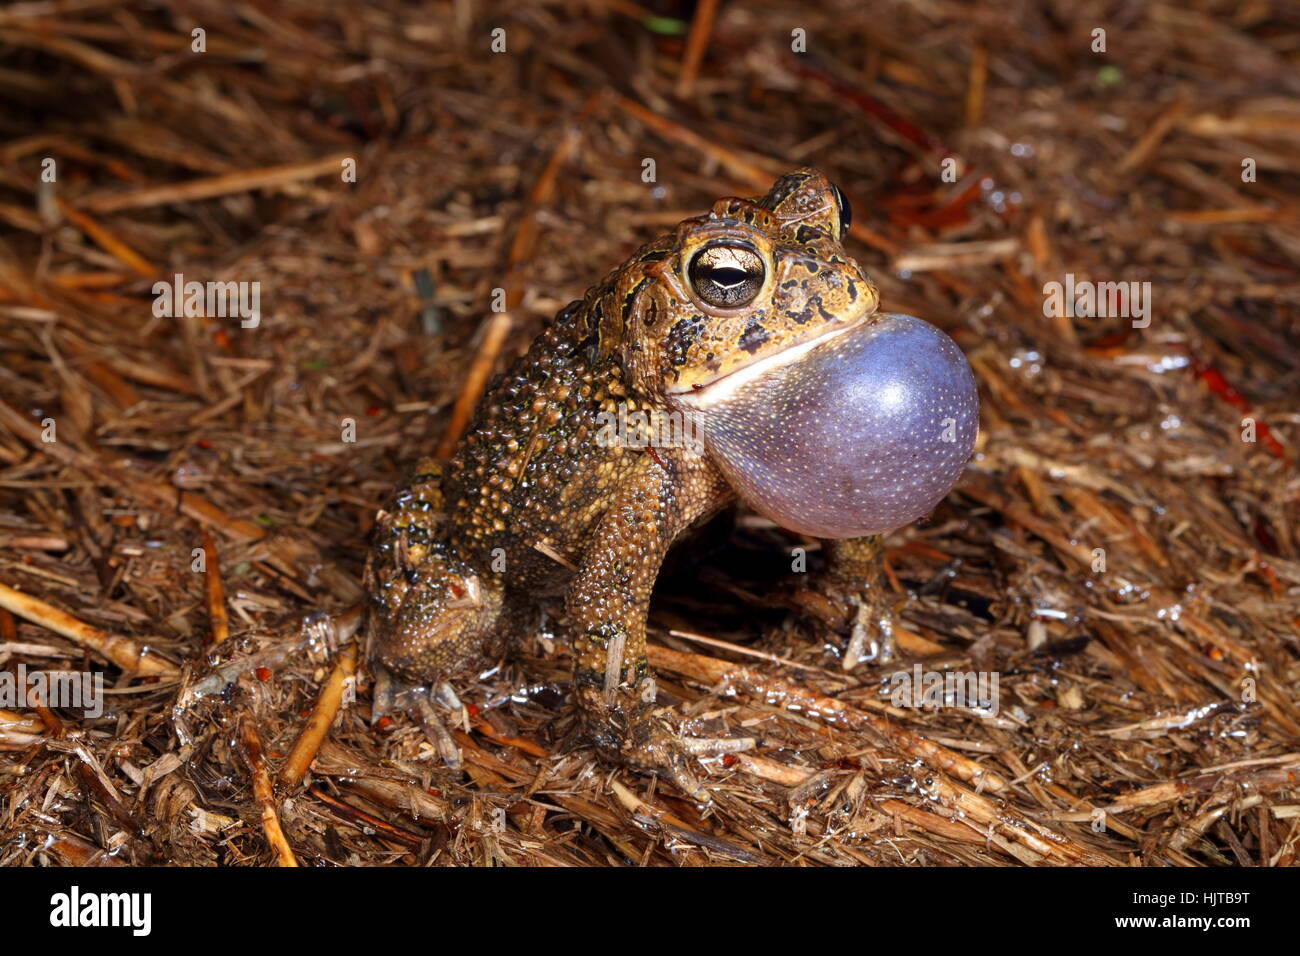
(865, 432)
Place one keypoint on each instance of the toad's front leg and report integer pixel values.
(607, 605)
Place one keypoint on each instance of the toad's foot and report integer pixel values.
(657, 743)
(867, 619)
(432, 613)
(431, 704)
(849, 596)
(665, 750)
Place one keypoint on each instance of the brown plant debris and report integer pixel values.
(185, 500)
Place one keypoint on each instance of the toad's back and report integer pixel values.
(531, 478)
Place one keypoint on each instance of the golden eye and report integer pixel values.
(727, 276)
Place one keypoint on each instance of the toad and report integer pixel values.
(755, 336)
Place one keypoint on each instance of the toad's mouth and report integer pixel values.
(720, 388)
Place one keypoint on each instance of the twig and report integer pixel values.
(999, 822)
(251, 749)
(365, 821)
(1144, 149)
(75, 851)
(485, 360)
(711, 670)
(216, 590)
(754, 176)
(122, 651)
(979, 72)
(696, 43)
(161, 497)
(321, 719)
(48, 717)
(649, 814)
(107, 240)
(746, 651)
(290, 553)
(224, 185)
(9, 720)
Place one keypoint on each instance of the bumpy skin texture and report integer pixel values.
(534, 503)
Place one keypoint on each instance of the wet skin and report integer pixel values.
(536, 501)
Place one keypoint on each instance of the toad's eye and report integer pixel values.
(727, 276)
(846, 211)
